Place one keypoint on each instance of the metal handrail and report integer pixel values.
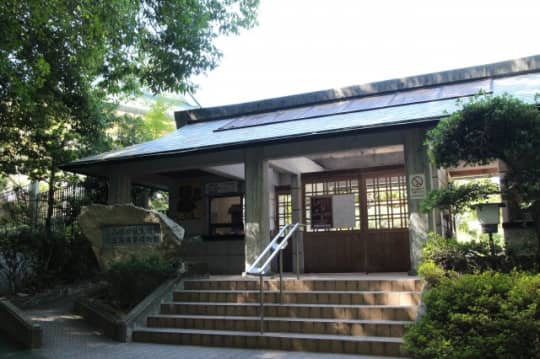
(261, 270)
(253, 269)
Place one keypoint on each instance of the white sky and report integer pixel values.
(310, 45)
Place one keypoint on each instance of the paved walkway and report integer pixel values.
(67, 336)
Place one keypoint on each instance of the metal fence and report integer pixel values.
(26, 206)
(22, 205)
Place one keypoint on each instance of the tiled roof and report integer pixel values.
(406, 106)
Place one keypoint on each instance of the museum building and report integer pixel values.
(349, 164)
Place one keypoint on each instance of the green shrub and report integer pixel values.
(131, 280)
(468, 257)
(431, 272)
(448, 253)
(486, 315)
(77, 260)
(63, 256)
(16, 255)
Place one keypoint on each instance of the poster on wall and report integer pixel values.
(343, 209)
(321, 212)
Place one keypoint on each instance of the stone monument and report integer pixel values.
(120, 231)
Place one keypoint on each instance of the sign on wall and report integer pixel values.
(321, 212)
(222, 187)
(417, 186)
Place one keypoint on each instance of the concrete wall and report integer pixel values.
(222, 256)
(15, 325)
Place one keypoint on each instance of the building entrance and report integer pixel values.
(356, 221)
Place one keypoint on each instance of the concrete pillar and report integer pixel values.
(119, 190)
(444, 217)
(417, 163)
(273, 181)
(296, 203)
(257, 226)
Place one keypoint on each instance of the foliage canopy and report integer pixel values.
(59, 59)
(495, 128)
(491, 128)
(458, 198)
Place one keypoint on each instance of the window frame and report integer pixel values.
(361, 175)
(213, 226)
(282, 191)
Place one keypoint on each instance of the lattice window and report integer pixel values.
(284, 209)
(386, 200)
(329, 187)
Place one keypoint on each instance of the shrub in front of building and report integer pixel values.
(483, 315)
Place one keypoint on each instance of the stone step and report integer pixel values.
(300, 297)
(334, 311)
(413, 284)
(383, 328)
(385, 346)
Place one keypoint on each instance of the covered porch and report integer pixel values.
(349, 164)
(232, 202)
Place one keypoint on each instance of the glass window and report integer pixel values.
(386, 201)
(330, 187)
(284, 209)
(226, 216)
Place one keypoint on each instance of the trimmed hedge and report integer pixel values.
(485, 315)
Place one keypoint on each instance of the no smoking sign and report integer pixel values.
(417, 185)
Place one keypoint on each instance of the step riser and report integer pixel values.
(275, 343)
(350, 329)
(403, 314)
(303, 298)
(306, 285)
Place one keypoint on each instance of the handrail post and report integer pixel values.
(281, 276)
(297, 240)
(261, 309)
(259, 269)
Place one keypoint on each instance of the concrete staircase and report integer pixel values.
(356, 315)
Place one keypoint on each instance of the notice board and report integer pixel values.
(343, 211)
(321, 212)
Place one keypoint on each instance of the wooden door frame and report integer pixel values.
(364, 233)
